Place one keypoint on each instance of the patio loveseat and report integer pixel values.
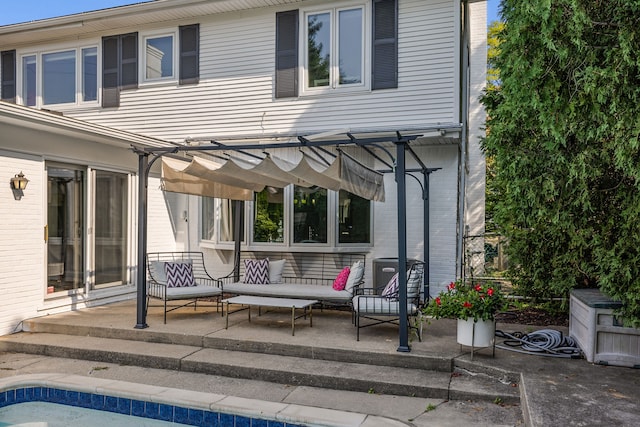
(298, 275)
(180, 276)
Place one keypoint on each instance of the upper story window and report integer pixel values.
(61, 77)
(29, 80)
(167, 56)
(159, 57)
(353, 46)
(89, 75)
(334, 55)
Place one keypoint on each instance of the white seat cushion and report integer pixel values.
(380, 306)
(289, 290)
(192, 292)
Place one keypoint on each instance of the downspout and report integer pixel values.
(462, 149)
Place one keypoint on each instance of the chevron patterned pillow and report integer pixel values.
(256, 271)
(179, 274)
(391, 290)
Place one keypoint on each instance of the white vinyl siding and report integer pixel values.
(235, 95)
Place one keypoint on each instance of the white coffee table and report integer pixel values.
(273, 302)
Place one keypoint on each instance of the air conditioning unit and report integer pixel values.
(385, 268)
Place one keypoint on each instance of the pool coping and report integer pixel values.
(289, 413)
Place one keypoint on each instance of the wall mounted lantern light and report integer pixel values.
(19, 182)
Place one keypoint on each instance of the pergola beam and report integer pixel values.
(402, 144)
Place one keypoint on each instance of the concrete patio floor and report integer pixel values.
(552, 391)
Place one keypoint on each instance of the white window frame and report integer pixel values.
(21, 97)
(248, 243)
(143, 37)
(80, 83)
(334, 73)
(39, 53)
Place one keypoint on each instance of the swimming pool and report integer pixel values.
(43, 414)
(112, 397)
(56, 414)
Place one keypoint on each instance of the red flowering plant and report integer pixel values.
(463, 301)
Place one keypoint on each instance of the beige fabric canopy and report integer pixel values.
(229, 180)
(175, 178)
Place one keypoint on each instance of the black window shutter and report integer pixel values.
(189, 54)
(110, 71)
(119, 66)
(129, 61)
(8, 77)
(385, 44)
(287, 54)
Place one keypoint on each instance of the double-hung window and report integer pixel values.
(335, 48)
(62, 77)
(159, 57)
(353, 46)
(29, 80)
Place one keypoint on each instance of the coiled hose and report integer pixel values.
(545, 342)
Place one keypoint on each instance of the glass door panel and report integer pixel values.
(110, 229)
(65, 229)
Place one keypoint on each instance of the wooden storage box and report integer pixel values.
(599, 333)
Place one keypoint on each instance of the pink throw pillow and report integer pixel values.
(341, 279)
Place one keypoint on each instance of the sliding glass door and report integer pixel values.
(65, 229)
(111, 242)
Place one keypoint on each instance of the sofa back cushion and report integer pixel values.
(341, 279)
(179, 274)
(391, 290)
(275, 270)
(414, 282)
(355, 275)
(256, 271)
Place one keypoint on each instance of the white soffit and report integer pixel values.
(122, 17)
(28, 117)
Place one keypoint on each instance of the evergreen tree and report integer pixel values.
(564, 134)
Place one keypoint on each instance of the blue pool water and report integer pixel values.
(43, 414)
(103, 406)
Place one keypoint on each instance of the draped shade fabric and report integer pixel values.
(230, 180)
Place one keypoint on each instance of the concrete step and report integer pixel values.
(299, 371)
(400, 360)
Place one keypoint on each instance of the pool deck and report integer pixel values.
(548, 391)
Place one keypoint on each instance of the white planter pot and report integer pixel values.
(482, 336)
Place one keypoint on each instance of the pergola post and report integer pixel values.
(401, 182)
(426, 213)
(238, 225)
(143, 176)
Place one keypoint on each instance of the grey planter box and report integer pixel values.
(599, 333)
